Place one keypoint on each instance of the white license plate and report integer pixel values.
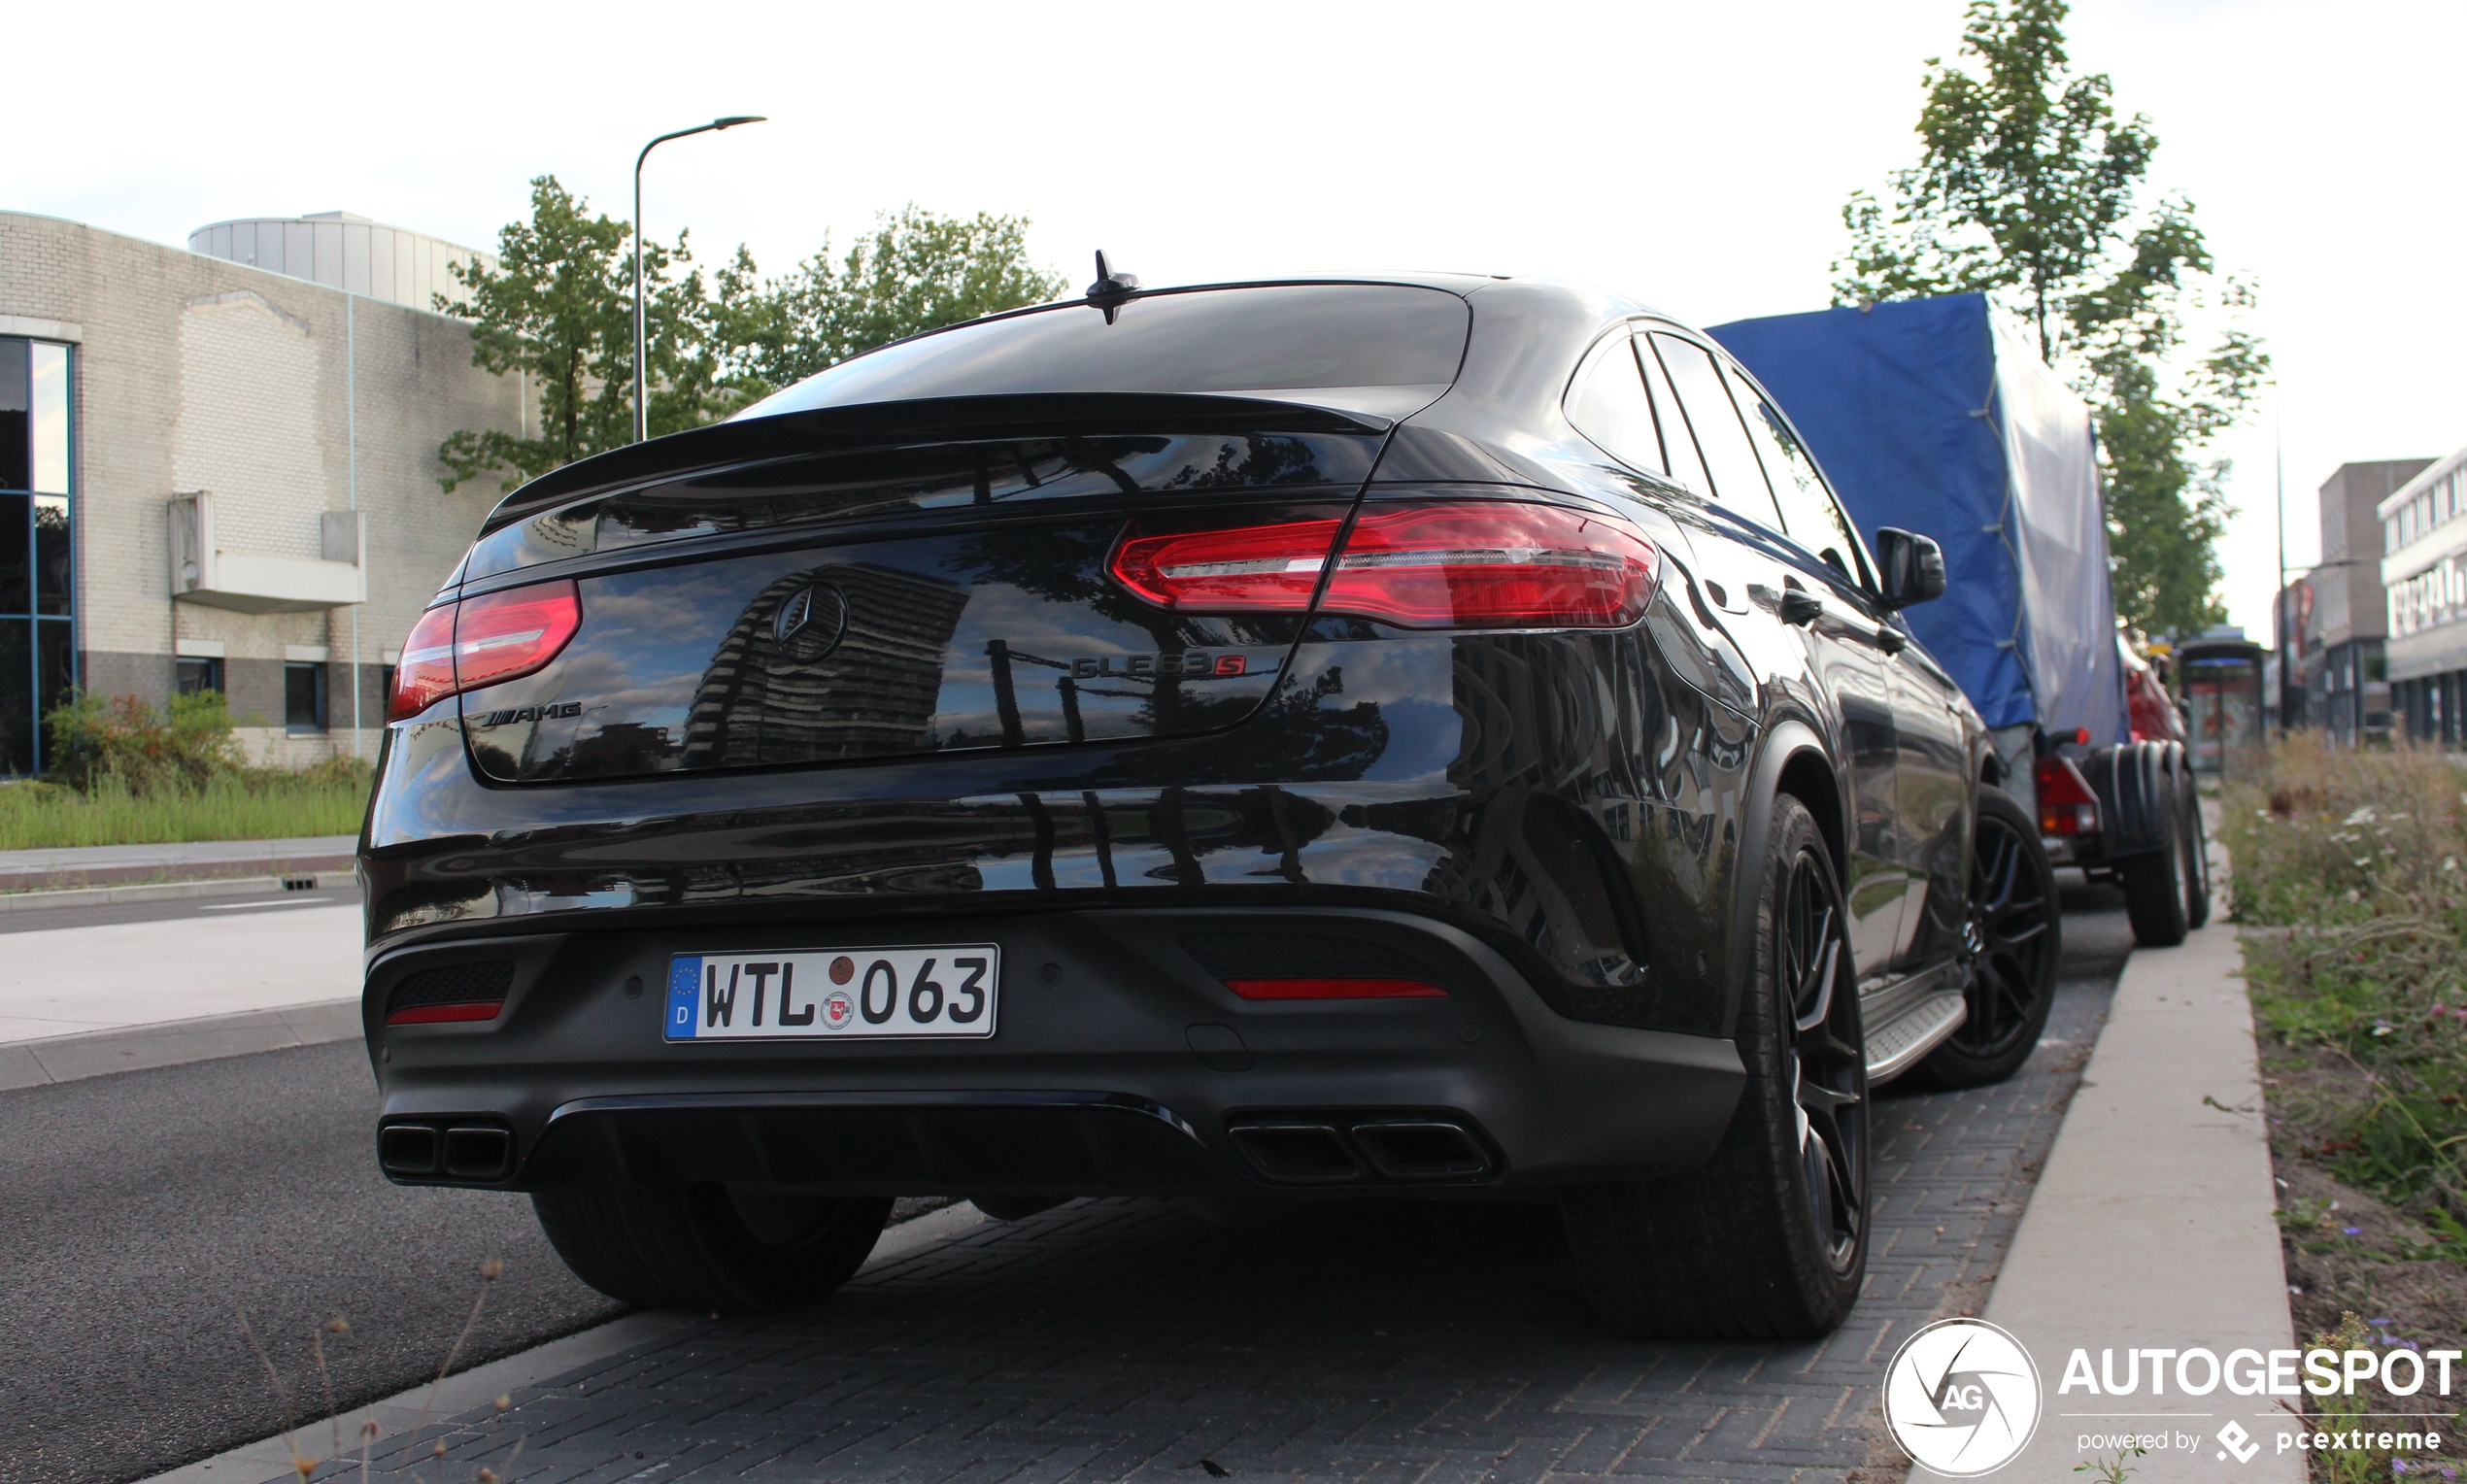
(835, 994)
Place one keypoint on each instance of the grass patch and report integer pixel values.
(2355, 863)
(240, 804)
(2362, 857)
(126, 774)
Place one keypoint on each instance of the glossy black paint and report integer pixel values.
(1566, 809)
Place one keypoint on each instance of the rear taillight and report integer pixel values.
(425, 674)
(2066, 803)
(1469, 565)
(482, 641)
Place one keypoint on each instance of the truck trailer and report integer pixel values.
(1937, 416)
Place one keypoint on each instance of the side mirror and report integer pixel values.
(1913, 567)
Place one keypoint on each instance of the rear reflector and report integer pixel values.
(2066, 803)
(482, 641)
(1334, 988)
(430, 1015)
(1474, 564)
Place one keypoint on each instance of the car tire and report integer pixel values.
(2195, 845)
(2154, 887)
(2015, 937)
(1770, 1239)
(735, 1250)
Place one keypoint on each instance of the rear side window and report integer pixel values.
(1739, 479)
(1273, 338)
(1679, 444)
(1608, 405)
(1808, 512)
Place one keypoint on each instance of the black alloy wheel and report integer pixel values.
(2013, 935)
(1827, 1059)
(1768, 1238)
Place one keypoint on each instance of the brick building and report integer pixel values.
(218, 469)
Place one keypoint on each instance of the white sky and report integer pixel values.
(1695, 155)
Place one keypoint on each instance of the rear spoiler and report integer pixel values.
(829, 429)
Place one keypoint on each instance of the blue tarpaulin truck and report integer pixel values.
(1937, 416)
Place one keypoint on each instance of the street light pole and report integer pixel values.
(2279, 599)
(642, 409)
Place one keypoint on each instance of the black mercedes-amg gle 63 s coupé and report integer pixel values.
(1427, 736)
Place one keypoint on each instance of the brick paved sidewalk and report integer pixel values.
(1129, 1339)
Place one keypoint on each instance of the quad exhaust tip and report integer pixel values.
(1313, 1150)
(454, 1149)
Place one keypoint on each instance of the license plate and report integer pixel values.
(835, 994)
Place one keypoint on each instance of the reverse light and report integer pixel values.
(482, 641)
(1334, 988)
(2066, 803)
(1474, 564)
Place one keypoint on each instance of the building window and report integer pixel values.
(303, 697)
(195, 677)
(38, 654)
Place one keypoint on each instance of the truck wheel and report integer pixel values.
(2196, 847)
(2154, 888)
(2015, 937)
(1768, 1240)
(711, 1247)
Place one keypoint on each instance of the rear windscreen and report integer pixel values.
(1206, 341)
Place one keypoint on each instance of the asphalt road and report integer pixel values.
(38, 919)
(143, 1215)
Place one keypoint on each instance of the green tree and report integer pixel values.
(2026, 190)
(559, 308)
(916, 271)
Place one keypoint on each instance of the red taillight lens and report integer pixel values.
(1470, 565)
(1250, 569)
(482, 641)
(425, 674)
(1334, 988)
(508, 634)
(1492, 566)
(2066, 803)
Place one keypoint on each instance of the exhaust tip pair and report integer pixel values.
(448, 1150)
(1308, 1149)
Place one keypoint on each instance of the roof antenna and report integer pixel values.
(1111, 288)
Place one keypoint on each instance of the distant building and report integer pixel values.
(2425, 567)
(2336, 618)
(219, 468)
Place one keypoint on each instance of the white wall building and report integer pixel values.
(219, 468)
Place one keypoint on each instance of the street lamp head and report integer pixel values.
(733, 119)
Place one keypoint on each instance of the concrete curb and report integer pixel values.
(99, 1052)
(270, 1461)
(176, 891)
(2154, 1223)
(205, 870)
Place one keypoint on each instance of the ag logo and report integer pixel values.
(811, 622)
(1962, 1397)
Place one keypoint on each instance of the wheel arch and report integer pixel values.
(1793, 762)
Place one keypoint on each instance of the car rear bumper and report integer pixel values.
(1120, 1064)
